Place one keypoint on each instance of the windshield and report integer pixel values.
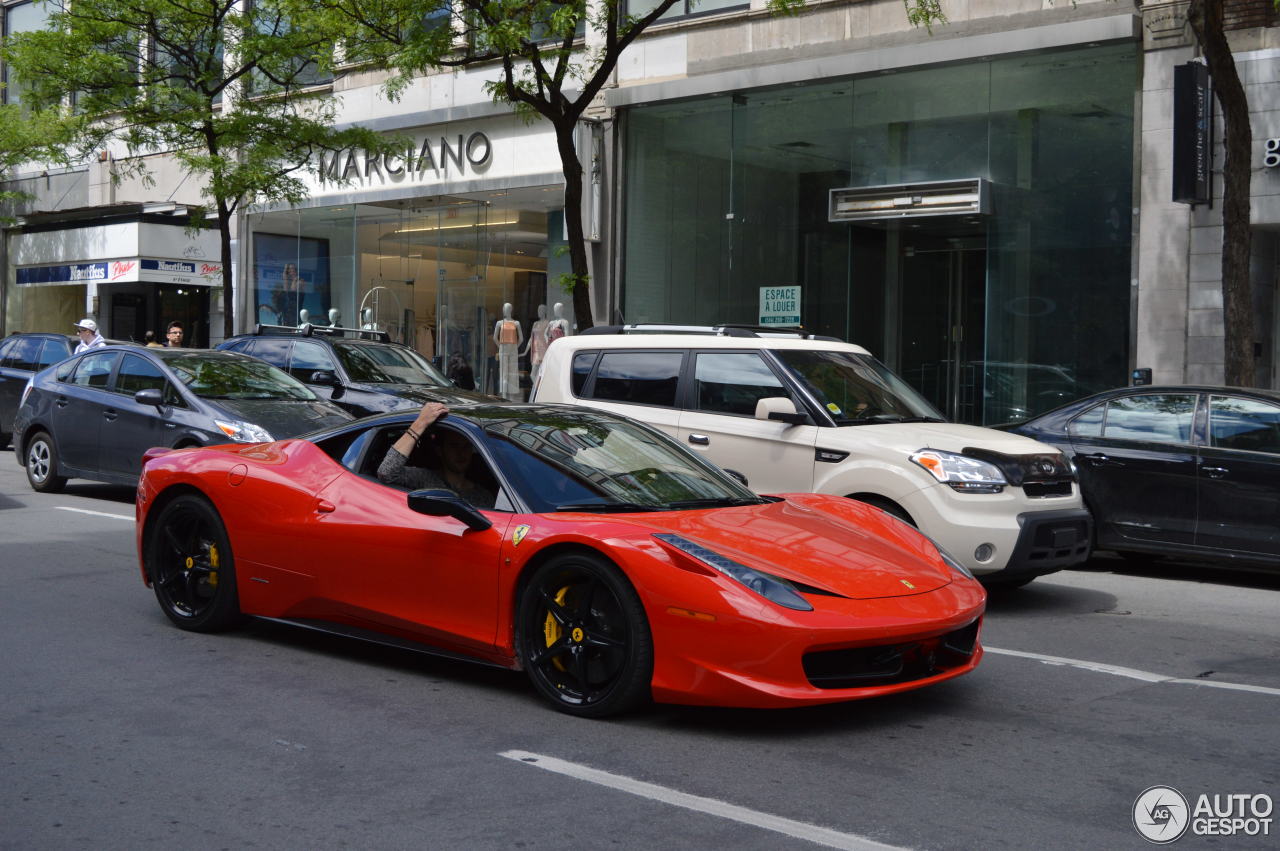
(387, 365)
(858, 389)
(234, 377)
(570, 461)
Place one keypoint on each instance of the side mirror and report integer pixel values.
(780, 408)
(150, 396)
(325, 377)
(442, 503)
(734, 474)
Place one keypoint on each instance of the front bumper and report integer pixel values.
(1049, 541)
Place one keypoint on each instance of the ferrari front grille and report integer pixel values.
(889, 664)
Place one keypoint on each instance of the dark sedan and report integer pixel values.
(22, 355)
(94, 415)
(362, 371)
(1191, 471)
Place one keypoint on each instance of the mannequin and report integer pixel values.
(335, 317)
(537, 345)
(304, 316)
(559, 326)
(367, 320)
(508, 334)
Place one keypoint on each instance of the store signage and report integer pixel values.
(780, 305)
(128, 270)
(1271, 157)
(431, 158)
(1192, 134)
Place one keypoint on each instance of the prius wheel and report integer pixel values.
(584, 638)
(42, 464)
(189, 561)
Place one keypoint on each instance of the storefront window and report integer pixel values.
(729, 196)
(18, 18)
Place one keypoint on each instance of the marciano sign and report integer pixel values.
(435, 158)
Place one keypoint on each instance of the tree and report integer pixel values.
(1206, 19)
(27, 136)
(539, 70)
(219, 84)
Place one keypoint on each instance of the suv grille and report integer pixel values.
(1039, 489)
(889, 664)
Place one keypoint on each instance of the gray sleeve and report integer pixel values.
(391, 471)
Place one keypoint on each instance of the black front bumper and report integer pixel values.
(1049, 541)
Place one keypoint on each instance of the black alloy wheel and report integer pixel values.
(189, 562)
(583, 636)
(42, 464)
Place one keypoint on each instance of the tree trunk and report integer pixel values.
(228, 296)
(1205, 17)
(572, 166)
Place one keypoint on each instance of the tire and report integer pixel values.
(191, 566)
(42, 464)
(583, 637)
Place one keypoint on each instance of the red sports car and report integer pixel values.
(591, 551)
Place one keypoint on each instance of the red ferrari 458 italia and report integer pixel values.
(602, 558)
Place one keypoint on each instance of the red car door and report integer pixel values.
(431, 578)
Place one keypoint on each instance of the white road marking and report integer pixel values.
(1131, 673)
(128, 517)
(711, 806)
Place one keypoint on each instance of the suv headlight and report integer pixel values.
(244, 432)
(772, 588)
(962, 473)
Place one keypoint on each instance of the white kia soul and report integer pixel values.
(797, 413)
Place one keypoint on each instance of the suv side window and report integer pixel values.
(24, 354)
(5, 347)
(309, 357)
(732, 382)
(53, 351)
(582, 364)
(274, 352)
(639, 378)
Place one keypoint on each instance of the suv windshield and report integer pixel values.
(571, 461)
(387, 365)
(234, 377)
(857, 389)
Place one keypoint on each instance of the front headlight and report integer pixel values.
(962, 473)
(244, 432)
(772, 588)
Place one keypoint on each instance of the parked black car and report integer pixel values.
(22, 355)
(94, 415)
(1192, 471)
(363, 371)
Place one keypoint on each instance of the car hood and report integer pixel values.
(283, 417)
(948, 437)
(417, 395)
(859, 553)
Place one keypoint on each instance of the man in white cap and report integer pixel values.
(89, 336)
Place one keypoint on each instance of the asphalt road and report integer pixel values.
(119, 731)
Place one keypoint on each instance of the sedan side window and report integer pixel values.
(1154, 417)
(94, 370)
(641, 378)
(732, 382)
(1088, 424)
(1236, 423)
(307, 358)
(138, 374)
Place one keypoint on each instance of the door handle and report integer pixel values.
(1216, 472)
(1099, 459)
(61, 401)
(699, 439)
(110, 415)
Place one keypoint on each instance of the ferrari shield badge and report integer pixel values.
(908, 584)
(518, 535)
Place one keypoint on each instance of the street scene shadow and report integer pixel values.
(97, 490)
(1163, 567)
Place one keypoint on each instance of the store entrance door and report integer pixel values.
(942, 305)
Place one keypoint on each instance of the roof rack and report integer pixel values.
(723, 329)
(308, 330)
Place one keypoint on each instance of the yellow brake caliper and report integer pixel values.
(213, 562)
(551, 629)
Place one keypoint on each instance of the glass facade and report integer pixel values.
(434, 273)
(993, 316)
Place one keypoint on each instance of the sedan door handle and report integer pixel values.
(1216, 472)
(62, 401)
(110, 415)
(699, 440)
(1099, 459)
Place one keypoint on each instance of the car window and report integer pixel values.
(642, 378)
(24, 354)
(1088, 424)
(223, 375)
(242, 345)
(5, 346)
(274, 352)
(307, 358)
(94, 370)
(377, 364)
(1155, 417)
(137, 373)
(1236, 423)
(732, 382)
(53, 351)
(582, 364)
(857, 388)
